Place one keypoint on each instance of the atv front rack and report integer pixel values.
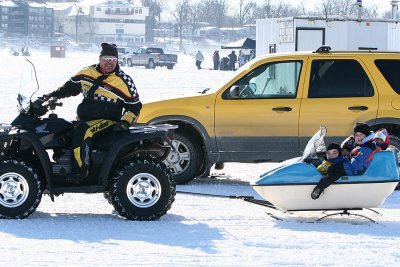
(146, 128)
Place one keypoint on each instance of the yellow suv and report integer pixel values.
(273, 104)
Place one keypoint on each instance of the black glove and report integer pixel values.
(121, 126)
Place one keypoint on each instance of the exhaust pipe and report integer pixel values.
(359, 4)
(395, 4)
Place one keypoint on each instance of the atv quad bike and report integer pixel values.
(36, 157)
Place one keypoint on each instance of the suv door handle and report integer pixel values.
(282, 109)
(358, 108)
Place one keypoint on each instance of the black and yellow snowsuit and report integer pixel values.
(106, 96)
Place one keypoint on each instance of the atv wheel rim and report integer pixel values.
(179, 159)
(14, 190)
(143, 190)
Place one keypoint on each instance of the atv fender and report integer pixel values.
(118, 145)
(39, 150)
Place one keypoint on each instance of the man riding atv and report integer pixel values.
(37, 151)
(107, 91)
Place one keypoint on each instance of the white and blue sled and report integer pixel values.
(288, 187)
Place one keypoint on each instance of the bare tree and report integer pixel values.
(181, 15)
(213, 12)
(221, 9)
(371, 11)
(244, 10)
(194, 17)
(348, 7)
(267, 9)
(155, 9)
(284, 9)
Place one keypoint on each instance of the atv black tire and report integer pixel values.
(20, 190)
(142, 190)
(184, 161)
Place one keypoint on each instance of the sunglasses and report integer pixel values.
(109, 58)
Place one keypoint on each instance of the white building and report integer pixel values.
(114, 21)
(338, 32)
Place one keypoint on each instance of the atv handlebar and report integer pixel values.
(52, 103)
(43, 104)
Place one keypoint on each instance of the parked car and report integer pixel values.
(151, 57)
(274, 104)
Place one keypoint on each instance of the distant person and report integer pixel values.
(242, 59)
(216, 59)
(13, 52)
(224, 63)
(333, 156)
(252, 54)
(199, 59)
(232, 60)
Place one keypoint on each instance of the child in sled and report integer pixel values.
(360, 160)
(382, 138)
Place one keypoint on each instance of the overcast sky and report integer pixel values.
(383, 5)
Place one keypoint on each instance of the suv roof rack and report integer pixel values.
(323, 49)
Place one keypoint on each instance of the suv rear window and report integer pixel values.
(390, 70)
(339, 78)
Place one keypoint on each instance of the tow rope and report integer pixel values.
(249, 199)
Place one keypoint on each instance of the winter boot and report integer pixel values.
(316, 193)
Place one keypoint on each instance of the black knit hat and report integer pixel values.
(334, 146)
(108, 50)
(362, 128)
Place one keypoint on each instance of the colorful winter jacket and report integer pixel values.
(362, 156)
(105, 95)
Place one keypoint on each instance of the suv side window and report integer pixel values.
(271, 80)
(339, 78)
(390, 70)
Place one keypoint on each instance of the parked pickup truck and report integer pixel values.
(151, 57)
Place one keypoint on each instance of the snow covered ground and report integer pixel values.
(83, 230)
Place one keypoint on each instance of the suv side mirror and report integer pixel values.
(234, 91)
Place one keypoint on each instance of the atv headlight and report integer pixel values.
(24, 104)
